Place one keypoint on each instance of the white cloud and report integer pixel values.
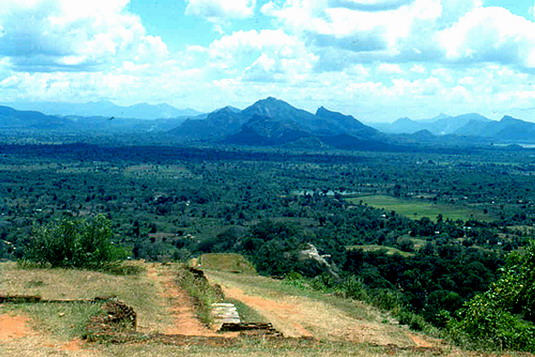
(390, 68)
(216, 10)
(342, 32)
(491, 34)
(417, 68)
(369, 5)
(48, 35)
(375, 59)
(263, 56)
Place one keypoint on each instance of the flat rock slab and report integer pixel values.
(225, 313)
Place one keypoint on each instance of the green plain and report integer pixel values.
(416, 209)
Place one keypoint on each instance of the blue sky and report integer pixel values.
(375, 59)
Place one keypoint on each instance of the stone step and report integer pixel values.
(225, 313)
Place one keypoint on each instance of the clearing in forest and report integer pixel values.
(417, 209)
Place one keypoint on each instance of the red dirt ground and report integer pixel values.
(14, 326)
(181, 306)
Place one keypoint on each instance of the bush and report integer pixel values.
(503, 317)
(414, 321)
(72, 243)
(354, 288)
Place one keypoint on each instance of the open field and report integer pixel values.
(417, 209)
(374, 248)
(232, 263)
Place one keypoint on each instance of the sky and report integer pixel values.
(375, 59)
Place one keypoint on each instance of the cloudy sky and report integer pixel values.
(375, 59)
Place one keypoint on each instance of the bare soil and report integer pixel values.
(179, 304)
(274, 311)
(18, 338)
(14, 326)
(300, 316)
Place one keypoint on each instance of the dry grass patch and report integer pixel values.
(228, 262)
(138, 291)
(296, 313)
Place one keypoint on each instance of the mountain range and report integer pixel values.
(473, 125)
(12, 119)
(105, 109)
(441, 125)
(507, 129)
(273, 122)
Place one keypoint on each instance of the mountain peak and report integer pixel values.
(272, 107)
(227, 109)
(508, 118)
(322, 111)
(441, 116)
(270, 101)
(404, 120)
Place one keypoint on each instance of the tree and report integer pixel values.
(504, 315)
(72, 243)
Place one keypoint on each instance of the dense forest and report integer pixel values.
(173, 203)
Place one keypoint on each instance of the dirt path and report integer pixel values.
(180, 304)
(419, 341)
(14, 326)
(18, 338)
(297, 316)
(274, 311)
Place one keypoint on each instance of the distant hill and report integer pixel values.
(347, 124)
(507, 129)
(14, 119)
(274, 122)
(106, 109)
(216, 125)
(440, 125)
(261, 130)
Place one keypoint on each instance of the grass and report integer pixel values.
(67, 321)
(64, 321)
(233, 263)
(375, 248)
(276, 289)
(418, 242)
(267, 348)
(247, 314)
(201, 291)
(417, 209)
(137, 291)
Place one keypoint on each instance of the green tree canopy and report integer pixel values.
(504, 316)
(74, 243)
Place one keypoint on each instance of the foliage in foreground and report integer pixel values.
(503, 317)
(74, 243)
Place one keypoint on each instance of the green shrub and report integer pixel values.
(354, 288)
(124, 269)
(414, 321)
(502, 317)
(74, 243)
(387, 299)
